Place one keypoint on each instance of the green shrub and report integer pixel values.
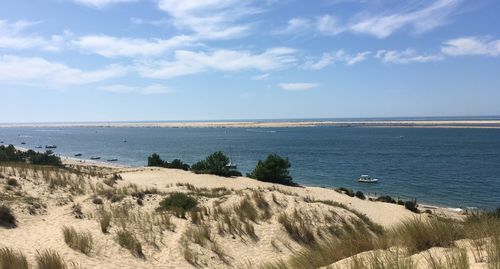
(10, 259)
(346, 191)
(216, 164)
(7, 218)
(412, 206)
(179, 203)
(155, 160)
(273, 169)
(360, 195)
(386, 199)
(11, 154)
(127, 240)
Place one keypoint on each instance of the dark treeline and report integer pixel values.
(274, 168)
(11, 154)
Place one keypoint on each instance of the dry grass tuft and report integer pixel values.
(81, 241)
(50, 259)
(10, 259)
(127, 240)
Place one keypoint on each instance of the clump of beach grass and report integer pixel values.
(104, 220)
(10, 259)
(81, 241)
(50, 259)
(297, 228)
(7, 218)
(127, 240)
(178, 203)
(419, 235)
(455, 259)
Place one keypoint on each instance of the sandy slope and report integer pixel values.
(43, 230)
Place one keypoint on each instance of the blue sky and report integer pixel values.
(114, 60)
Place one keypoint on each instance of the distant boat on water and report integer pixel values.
(78, 155)
(231, 165)
(112, 160)
(95, 158)
(367, 179)
(23, 143)
(50, 146)
(39, 147)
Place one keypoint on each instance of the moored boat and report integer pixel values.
(95, 158)
(112, 160)
(78, 155)
(367, 179)
(50, 146)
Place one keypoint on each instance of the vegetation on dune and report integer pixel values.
(81, 241)
(10, 259)
(179, 203)
(50, 259)
(155, 160)
(274, 169)
(11, 154)
(7, 218)
(216, 164)
(127, 240)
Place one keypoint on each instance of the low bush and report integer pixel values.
(412, 206)
(127, 240)
(274, 169)
(12, 182)
(346, 191)
(386, 199)
(360, 195)
(178, 203)
(10, 259)
(7, 218)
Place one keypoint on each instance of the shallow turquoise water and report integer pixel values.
(451, 167)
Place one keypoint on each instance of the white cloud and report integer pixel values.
(295, 26)
(109, 46)
(42, 73)
(298, 86)
(328, 59)
(421, 19)
(405, 57)
(329, 25)
(261, 77)
(101, 3)
(12, 37)
(189, 62)
(147, 90)
(472, 46)
(210, 19)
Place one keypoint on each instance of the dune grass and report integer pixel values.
(81, 241)
(7, 218)
(10, 259)
(50, 259)
(104, 220)
(127, 240)
(454, 259)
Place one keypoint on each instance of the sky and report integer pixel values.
(147, 60)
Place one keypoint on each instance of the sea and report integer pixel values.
(451, 167)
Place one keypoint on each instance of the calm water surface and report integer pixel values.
(450, 167)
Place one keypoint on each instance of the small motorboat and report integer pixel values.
(367, 179)
(95, 158)
(23, 143)
(78, 155)
(39, 147)
(231, 165)
(112, 160)
(50, 146)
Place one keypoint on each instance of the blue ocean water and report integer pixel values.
(449, 167)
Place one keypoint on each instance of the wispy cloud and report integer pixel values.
(421, 19)
(109, 46)
(101, 3)
(406, 57)
(35, 71)
(190, 62)
(261, 76)
(328, 59)
(211, 19)
(300, 86)
(147, 90)
(484, 46)
(13, 37)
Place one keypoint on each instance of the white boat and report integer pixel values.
(367, 179)
(231, 165)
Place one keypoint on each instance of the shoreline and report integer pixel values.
(484, 124)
